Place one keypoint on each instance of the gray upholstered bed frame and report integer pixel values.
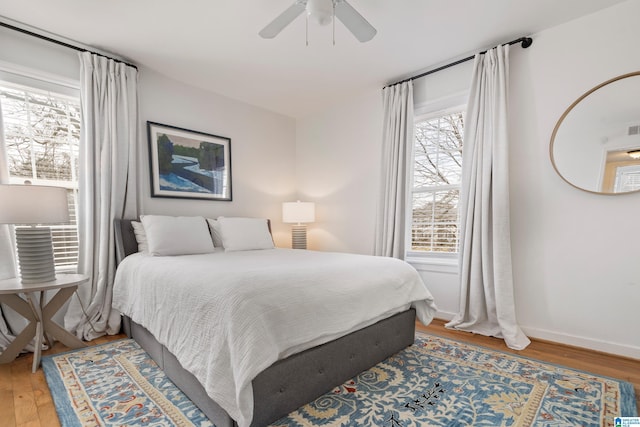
(289, 383)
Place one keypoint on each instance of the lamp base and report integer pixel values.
(35, 254)
(299, 236)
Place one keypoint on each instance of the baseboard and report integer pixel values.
(444, 315)
(584, 342)
(568, 339)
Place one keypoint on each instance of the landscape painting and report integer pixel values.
(189, 164)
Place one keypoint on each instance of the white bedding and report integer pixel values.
(227, 316)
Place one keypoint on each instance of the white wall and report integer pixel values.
(575, 254)
(338, 167)
(262, 151)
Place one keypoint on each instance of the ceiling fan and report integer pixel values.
(323, 11)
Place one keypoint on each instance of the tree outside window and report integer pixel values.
(436, 182)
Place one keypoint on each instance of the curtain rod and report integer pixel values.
(525, 42)
(61, 43)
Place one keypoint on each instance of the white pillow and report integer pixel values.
(243, 234)
(141, 237)
(214, 227)
(177, 235)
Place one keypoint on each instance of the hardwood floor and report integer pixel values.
(25, 400)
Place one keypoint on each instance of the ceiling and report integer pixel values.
(214, 44)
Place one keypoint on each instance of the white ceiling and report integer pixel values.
(214, 44)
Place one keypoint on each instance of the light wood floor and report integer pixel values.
(25, 400)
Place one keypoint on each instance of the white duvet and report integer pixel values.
(227, 316)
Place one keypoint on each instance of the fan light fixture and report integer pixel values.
(634, 154)
(320, 10)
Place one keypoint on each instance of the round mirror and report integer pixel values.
(595, 145)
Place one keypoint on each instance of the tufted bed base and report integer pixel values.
(289, 383)
(292, 382)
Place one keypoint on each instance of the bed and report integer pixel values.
(296, 375)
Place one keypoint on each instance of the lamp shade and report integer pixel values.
(298, 212)
(33, 204)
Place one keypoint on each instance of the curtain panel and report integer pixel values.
(107, 186)
(486, 280)
(397, 140)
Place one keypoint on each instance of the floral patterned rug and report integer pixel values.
(435, 382)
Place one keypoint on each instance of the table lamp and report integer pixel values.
(34, 205)
(298, 213)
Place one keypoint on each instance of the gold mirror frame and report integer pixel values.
(608, 174)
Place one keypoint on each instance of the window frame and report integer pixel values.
(444, 262)
(27, 80)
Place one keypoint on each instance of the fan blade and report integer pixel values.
(284, 19)
(354, 22)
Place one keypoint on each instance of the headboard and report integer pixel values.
(126, 243)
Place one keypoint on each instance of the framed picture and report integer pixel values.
(189, 164)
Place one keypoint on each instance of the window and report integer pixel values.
(627, 179)
(42, 135)
(437, 172)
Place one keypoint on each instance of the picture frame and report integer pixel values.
(188, 164)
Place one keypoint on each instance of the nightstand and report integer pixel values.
(39, 315)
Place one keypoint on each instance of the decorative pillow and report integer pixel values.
(243, 234)
(214, 227)
(177, 235)
(141, 237)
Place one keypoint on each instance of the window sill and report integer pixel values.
(67, 269)
(434, 264)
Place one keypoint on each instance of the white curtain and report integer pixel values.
(486, 280)
(397, 140)
(107, 187)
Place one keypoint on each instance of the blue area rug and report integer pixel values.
(116, 384)
(435, 382)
